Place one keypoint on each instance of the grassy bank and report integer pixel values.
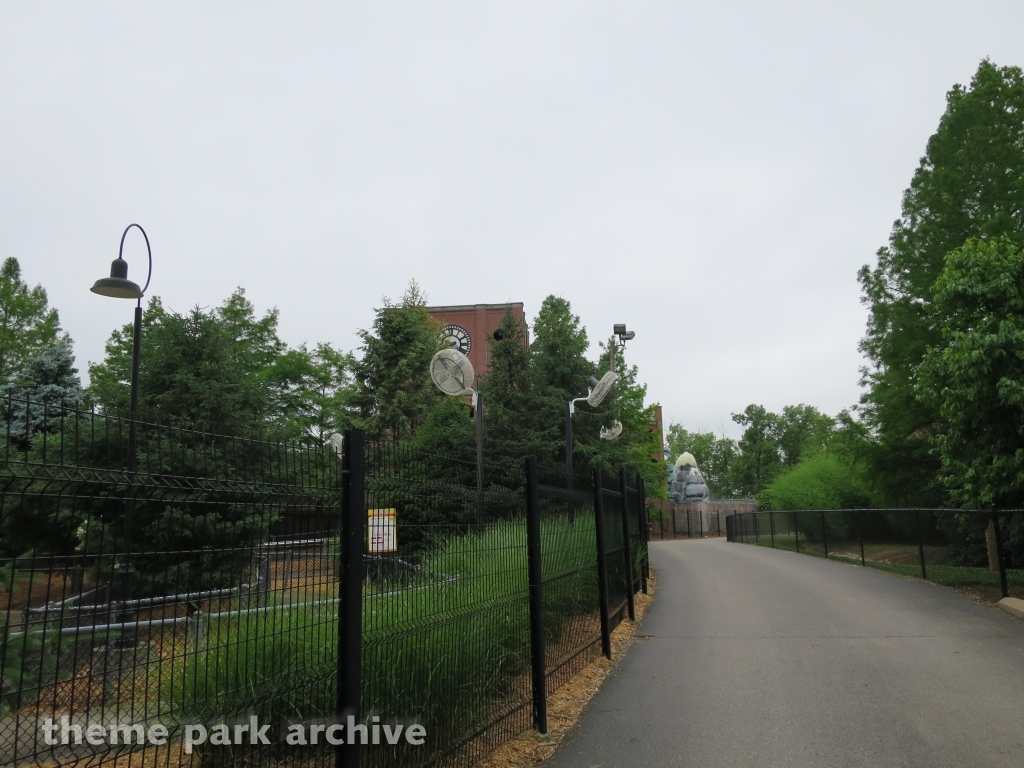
(452, 655)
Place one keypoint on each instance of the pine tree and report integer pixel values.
(637, 448)
(560, 373)
(43, 392)
(393, 392)
(512, 427)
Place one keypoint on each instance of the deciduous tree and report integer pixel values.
(970, 183)
(27, 324)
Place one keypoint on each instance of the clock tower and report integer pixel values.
(466, 327)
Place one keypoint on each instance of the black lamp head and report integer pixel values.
(117, 285)
(593, 382)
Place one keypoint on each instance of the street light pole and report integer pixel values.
(479, 459)
(119, 286)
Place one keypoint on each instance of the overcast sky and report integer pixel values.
(712, 174)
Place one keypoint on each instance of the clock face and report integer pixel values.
(457, 338)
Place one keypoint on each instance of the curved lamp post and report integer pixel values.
(118, 286)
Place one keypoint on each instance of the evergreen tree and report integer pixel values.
(637, 448)
(560, 374)
(512, 429)
(46, 390)
(192, 373)
(393, 390)
(969, 184)
(27, 324)
(223, 370)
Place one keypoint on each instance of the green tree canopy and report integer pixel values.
(192, 373)
(975, 378)
(970, 183)
(760, 458)
(559, 351)
(512, 405)
(680, 440)
(27, 324)
(803, 431)
(560, 372)
(393, 391)
(638, 448)
(42, 393)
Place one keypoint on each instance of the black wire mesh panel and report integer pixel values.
(569, 563)
(615, 551)
(198, 587)
(203, 591)
(965, 549)
(445, 619)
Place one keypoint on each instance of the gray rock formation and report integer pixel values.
(686, 483)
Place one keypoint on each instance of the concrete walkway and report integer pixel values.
(758, 657)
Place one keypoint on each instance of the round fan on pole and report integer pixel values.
(610, 433)
(452, 372)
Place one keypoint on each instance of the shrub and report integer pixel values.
(823, 481)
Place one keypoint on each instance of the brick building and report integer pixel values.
(468, 326)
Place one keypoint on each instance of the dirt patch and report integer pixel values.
(152, 757)
(567, 703)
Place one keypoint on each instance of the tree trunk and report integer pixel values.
(990, 540)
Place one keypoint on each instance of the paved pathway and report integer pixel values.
(758, 658)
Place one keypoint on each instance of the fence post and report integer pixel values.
(1000, 556)
(537, 650)
(771, 526)
(920, 543)
(627, 551)
(641, 497)
(350, 609)
(796, 532)
(860, 533)
(602, 566)
(719, 513)
(824, 534)
(757, 529)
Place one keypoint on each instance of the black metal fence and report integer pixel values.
(982, 552)
(243, 583)
(687, 521)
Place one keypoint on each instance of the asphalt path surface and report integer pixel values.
(750, 656)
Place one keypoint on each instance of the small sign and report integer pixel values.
(381, 531)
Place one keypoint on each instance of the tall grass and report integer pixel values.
(453, 655)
